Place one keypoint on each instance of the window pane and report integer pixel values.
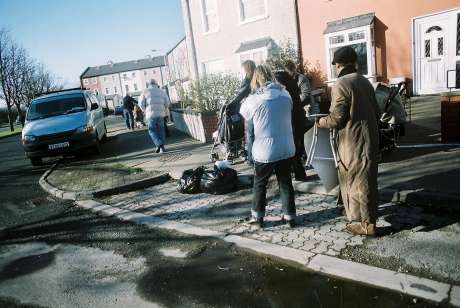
(258, 57)
(440, 46)
(458, 34)
(252, 8)
(211, 22)
(356, 36)
(361, 51)
(336, 39)
(214, 67)
(209, 5)
(427, 48)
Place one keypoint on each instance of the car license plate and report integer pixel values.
(58, 145)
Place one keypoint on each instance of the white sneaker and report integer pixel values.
(161, 150)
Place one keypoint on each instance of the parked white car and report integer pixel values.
(62, 123)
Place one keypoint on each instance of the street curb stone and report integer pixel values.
(408, 284)
(84, 195)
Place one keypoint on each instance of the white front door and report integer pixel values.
(432, 55)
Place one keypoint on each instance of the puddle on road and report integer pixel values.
(223, 276)
(173, 252)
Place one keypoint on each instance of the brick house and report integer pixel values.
(416, 40)
(122, 77)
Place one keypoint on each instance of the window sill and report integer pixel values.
(254, 19)
(210, 32)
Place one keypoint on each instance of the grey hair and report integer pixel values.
(153, 82)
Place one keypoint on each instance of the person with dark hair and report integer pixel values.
(270, 109)
(128, 107)
(298, 122)
(245, 89)
(354, 115)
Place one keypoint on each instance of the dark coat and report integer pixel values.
(305, 89)
(243, 92)
(128, 102)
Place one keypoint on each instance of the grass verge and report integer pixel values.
(8, 133)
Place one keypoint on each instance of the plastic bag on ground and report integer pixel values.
(219, 181)
(189, 183)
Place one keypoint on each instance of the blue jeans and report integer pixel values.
(129, 118)
(157, 131)
(250, 139)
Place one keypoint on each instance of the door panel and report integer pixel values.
(433, 61)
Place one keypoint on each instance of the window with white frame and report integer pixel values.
(209, 16)
(127, 88)
(251, 10)
(115, 90)
(106, 91)
(361, 40)
(94, 80)
(85, 82)
(213, 67)
(133, 74)
(124, 76)
(135, 87)
(145, 73)
(259, 55)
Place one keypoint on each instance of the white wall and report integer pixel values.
(280, 24)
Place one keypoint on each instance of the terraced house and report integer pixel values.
(221, 34)
(413, 40)
(117, 79)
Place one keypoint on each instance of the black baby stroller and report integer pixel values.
(391, 125)
(229, 138)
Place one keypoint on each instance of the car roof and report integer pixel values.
(60, 93)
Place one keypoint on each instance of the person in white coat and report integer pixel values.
(269, 108)
(155, 103)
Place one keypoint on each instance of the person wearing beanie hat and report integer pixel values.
(354, 114)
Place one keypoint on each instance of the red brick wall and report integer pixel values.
(210, 124)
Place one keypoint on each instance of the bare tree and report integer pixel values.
(5, 65)
(21, 77)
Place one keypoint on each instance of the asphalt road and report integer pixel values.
(53, 254)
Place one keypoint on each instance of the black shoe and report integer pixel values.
(257, 222)
(158, 150)
(290, 222)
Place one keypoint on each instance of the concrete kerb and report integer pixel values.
(408, 284)
(74, 196)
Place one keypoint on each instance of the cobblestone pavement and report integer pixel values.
(405, 230)
(320, 230)
(91, 176)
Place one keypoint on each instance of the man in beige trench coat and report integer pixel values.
(354, 115)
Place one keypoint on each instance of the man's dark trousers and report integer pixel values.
(262, 172)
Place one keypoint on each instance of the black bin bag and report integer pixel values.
(189, 182)
(219, 181)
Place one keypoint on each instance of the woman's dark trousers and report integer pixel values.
(262, 173)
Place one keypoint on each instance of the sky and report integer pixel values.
(70, 35)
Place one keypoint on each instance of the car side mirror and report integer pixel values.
(94, 106)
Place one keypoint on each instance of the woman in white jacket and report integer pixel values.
(270, 110)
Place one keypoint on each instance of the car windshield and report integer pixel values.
(54, 106)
